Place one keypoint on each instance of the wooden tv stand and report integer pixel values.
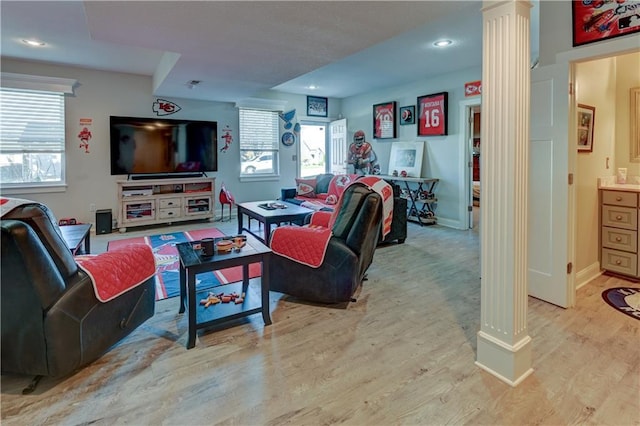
(162, 201)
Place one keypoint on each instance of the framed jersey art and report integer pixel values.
(597, 20)
(432, 114)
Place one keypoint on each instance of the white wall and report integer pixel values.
(595, 86)
(441, 154)
(627, 77)
(99, 95)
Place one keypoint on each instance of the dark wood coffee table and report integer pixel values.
(75, 235)
(193, 262)
(292, 213)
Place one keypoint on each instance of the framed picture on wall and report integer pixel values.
(317, 106)
(598, 20)
(586, 119)
(384, 120)
(407, 115)
(432, 114)
(406, 157)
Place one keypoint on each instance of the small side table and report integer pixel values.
(192, 263)
(75, 235)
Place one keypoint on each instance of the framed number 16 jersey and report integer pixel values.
(432, 114)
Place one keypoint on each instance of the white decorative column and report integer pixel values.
(504, 347)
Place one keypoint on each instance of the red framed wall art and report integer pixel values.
(597, 20)
(384, 120)
(432, 114)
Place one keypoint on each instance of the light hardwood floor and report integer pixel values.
(402, 354)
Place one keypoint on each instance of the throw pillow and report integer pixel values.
(306, 187)
(339, 183)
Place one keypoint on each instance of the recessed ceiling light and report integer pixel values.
(35, 43)
(443, 43)
(313, 87)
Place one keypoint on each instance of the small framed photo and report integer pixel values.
(586, 119)
(432, 114)
(407, 115)
(317, 106)
(384, 120)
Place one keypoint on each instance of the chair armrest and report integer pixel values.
(320, 218)
(305, 245)
(115, 272)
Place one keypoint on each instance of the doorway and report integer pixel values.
(313, 149)
(470, 113)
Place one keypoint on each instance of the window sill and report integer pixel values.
(32, 189)
(259, 178)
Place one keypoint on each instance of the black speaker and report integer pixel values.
(103, 221)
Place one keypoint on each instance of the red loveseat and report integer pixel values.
(323, 191)
(320, 192)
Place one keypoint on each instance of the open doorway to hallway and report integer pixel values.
(470, 110)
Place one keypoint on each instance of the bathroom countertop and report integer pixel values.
(609, 182)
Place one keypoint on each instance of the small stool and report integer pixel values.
(225, 197)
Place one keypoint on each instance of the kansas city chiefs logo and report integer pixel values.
(164, 107)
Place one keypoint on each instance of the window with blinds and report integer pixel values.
(259, 142)
(32, 137)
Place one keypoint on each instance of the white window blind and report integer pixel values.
(259, 142)
(31, 121)
(258, 130)
(32, 136)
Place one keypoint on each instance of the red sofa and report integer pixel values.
(322, 192)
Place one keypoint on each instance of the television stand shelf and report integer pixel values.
(164, 201)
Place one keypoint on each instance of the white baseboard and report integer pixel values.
(587, 274)
(456, 224)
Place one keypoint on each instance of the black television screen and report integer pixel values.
(157, 146)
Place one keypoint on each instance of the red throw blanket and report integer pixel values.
(386, 193)
(118, 271)
(306, 245)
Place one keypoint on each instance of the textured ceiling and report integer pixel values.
(241, 48)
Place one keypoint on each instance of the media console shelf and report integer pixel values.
(161, 201)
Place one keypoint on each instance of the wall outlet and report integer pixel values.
(92, 207)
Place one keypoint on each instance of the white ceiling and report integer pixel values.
(241, 48)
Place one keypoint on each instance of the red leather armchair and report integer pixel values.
(52, 320)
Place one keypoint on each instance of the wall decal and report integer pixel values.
(473, 88)
(289, 128)
(164, 107)
(227, 137)
(85, 133)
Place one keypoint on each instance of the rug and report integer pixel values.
(168, 265)
(624, 299)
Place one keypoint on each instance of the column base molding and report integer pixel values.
(509, 363)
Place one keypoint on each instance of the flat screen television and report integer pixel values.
(157, 146)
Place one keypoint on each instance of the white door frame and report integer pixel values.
(465, 165)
